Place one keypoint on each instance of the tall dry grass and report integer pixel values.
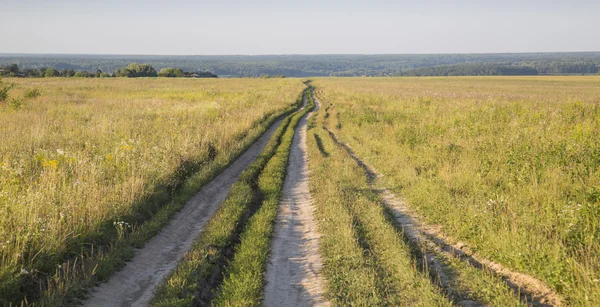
(85, 154)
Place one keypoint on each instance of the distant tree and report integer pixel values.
(135, 70)
(13, 68)
(31, 73)
(43, 71)
(171, 73)
(51, 72)
(67, 72)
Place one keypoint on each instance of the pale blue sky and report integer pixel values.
(301, 27)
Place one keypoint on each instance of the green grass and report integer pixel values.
(462, 281)
(245, 276)
(508, 165)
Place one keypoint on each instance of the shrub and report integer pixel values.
(4, 89)
(82, 74)
(15, 103)
(32, 93)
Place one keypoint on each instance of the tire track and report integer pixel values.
(293, 272)
(134, 285)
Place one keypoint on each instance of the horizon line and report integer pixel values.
(290, 54)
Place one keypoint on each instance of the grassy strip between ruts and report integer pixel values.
(245, 277)
(365, 260)
(78, 274)
(199, 272)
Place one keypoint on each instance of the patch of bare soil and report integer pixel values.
(134, 285)
(431, 240)
(293, 273)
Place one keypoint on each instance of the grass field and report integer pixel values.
(509, 165)
(86, 166)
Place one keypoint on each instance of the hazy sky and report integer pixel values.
(300, 27)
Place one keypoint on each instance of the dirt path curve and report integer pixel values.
(433, 242)
(134, 285)
(293, 272)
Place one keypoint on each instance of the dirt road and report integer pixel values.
(134, 285)
(293, 272)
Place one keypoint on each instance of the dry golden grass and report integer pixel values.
(87, 153)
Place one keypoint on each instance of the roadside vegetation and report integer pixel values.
(93, 168)
(508, 166)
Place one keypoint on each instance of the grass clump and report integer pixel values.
(32, 93)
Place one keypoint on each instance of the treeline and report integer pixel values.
(133, 70)
(522, 69)
(473, 70)
(14, 71)
(315, 65)
(562, 68)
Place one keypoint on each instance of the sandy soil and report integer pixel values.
(433, 241)
(293, 272)
(134, 285)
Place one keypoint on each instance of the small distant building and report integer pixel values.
(203, 74)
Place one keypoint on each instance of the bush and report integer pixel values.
(4, 89)
(15, 103)
(83, 74)
(32, 93)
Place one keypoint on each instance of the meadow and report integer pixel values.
(508, 165)
(90, 169)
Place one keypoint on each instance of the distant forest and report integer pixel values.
(327, 65)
